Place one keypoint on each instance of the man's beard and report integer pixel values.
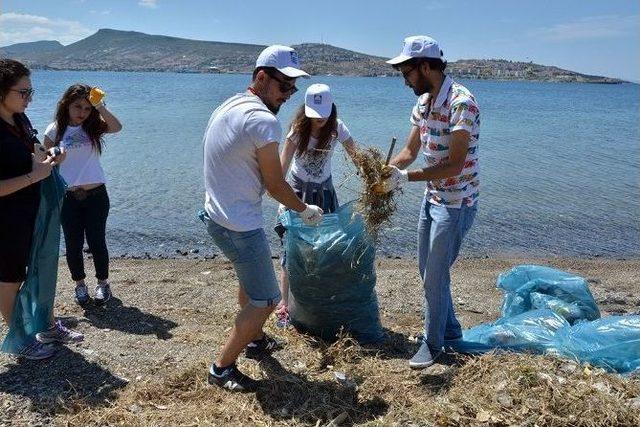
(423, 86)
(272, 108)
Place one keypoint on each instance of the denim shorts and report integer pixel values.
(250, 255)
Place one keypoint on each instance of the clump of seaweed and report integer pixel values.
(376, 208)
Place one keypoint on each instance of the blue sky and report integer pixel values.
(595, 37)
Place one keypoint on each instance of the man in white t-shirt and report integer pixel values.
(241, 161)
(445, 127)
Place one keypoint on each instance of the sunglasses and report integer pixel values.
(406, 72)
(24, 93)
(284, 86)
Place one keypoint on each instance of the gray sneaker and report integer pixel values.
(82, 294)
(423, 357)
(37, 351)
(59, 333)
(103, 293)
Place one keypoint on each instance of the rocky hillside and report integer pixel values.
(132, 51)
(20, 50)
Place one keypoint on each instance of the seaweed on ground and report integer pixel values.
(376, 208)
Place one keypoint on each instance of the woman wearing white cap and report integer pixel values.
(309, 146)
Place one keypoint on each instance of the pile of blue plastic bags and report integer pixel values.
(545, 310)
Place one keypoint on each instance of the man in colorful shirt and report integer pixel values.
(445, 123)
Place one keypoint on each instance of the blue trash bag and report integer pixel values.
(532, 331)
(532, 287)
(332, 276)
(34, 302)
(612, 343)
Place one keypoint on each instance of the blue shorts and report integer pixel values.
(250, 255)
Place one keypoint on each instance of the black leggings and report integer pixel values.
(86, 217)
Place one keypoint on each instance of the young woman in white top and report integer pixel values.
(309, 146)
(80, 122)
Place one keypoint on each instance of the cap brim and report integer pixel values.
(399, 59)
(317, 113)
(293, 72)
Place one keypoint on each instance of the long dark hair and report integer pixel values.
(94, 126)
(301, 126)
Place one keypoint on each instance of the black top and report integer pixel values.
(16, 147)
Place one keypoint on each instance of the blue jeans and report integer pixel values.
(250, 255)
(440, 234)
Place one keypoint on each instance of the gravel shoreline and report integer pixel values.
(171, 313)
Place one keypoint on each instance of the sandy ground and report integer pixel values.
(168, 314)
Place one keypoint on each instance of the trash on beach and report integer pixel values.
(531, 287)
(550, 311)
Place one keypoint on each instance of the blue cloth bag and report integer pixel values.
(332, 276)
(34, 302)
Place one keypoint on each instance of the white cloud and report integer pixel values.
(100, 12)
(590, 28)
(433, 5)
(21, 28)
(151, 4)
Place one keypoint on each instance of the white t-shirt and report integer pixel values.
(233, 183)
(82, 164)
(315, 165)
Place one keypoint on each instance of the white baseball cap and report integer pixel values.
(318, 101)
(283, 58)
(418, 47)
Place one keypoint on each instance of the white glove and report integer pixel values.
(395, 179)
(312, 215)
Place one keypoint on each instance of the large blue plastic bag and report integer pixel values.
(34, 303)
(612, 343)
(532, 331)
(531, 287)
(332, 276)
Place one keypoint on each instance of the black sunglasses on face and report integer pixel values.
(24, 93)
(284, 86)
(406, 72)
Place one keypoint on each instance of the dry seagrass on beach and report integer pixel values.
(376, 208)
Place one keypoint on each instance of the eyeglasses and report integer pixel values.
(406, 72)
(284, 86)
(24, 93)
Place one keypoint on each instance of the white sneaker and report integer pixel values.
(103, 293)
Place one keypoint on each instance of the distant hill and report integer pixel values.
(28, 49)
(133, 51)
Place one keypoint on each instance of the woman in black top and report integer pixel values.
(20, 173)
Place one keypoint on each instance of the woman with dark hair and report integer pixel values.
(22, 167)
(80, 122)
(308, 149)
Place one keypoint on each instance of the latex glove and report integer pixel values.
(96, 97)
(394, 178)
(312, 215)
